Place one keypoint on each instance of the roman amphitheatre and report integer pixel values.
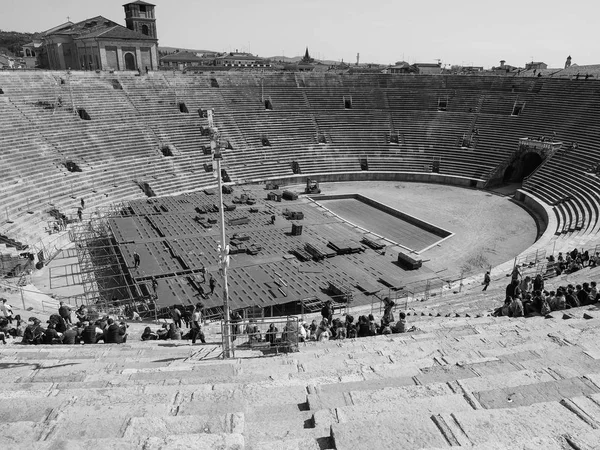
(456, 175)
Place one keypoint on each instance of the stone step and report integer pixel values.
(138, 428)
(524, 395)
(301, 443)
(172, 442)
(387, 434)
(514, 425)
(329, 400)
(400, 410)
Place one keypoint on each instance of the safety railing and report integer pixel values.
(270, 335)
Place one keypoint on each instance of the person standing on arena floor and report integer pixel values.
(486, 281)
(136, 259)
(82, 203)
(79, 214)
(212, 283)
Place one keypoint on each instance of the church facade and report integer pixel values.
(101, 44)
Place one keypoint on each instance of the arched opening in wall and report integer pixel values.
(116, 84)
(129, 61)
(166, 151)
(83, 115)
(348, 102)
(72, 166)
(214, 83)
(1, 91)
(183, 108)
(522, 167)
(145, 30)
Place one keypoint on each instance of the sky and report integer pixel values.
(460, 32)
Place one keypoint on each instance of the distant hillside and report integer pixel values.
(12, 41)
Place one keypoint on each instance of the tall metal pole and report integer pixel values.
(223, 248)
(227, 350)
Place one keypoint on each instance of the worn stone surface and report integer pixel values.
(390, 434)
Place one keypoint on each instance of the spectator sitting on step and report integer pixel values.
(302, 331)
(534, 306)
(511, 288)
(593, 292)
(81, 314)
(351, 331)
(114, 333)
(571, 298)
(271, 334)
(561, 299)
(65, 312)
(595, 260)
(538, 283)
(323, 332)
(372, 325)
(290, 332)
(363, 326)
(149, 335)
(252, 331)
(174, 332)
(400, 326)
(526, 285)
(582, 295)
(585, 258)
(504, 310)
(162, 332)
(71, 336)
(516, 307)
(385, 327)
(338, 329)
(59, 323)
(34, 333)
(575, 265)
(51, 336)
(91, 332)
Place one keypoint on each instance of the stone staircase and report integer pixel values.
(458, 382)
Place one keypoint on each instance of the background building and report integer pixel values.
(101, 44)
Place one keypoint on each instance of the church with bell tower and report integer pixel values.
(139, 16)
(101, 44)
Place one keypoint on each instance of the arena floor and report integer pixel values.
(380, 222)
(489, 229)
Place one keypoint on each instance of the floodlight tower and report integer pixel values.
(223, 248)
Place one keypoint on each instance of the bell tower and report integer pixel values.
(139, 16)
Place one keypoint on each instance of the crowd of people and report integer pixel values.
(527, 296)
(59, 328)
(174, 330)
(572, 261)
(366, 325)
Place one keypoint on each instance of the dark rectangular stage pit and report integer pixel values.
(364, 212)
